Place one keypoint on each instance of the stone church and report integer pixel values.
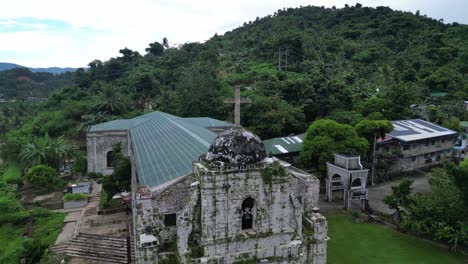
(205, 191)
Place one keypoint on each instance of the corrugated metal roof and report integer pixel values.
(416, 129)
(206, 121)
(464, 124)
(164, 146)
(284, 145)
(119, 124)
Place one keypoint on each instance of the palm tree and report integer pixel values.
(110, 101)
(47, 151)
(36, 151)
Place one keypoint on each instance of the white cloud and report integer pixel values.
(100, 28)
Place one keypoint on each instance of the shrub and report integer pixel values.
(75, 197)
(43, 177)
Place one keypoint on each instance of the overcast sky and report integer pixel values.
(71, 33)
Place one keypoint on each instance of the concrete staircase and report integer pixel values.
(99, 248)
(94, 198)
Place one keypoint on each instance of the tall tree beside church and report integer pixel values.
(326, 137)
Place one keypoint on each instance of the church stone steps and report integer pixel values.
(101, 237)
(108, 247)
(96, 254)
(105, 249)
(101, 259)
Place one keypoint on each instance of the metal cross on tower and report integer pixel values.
(237, 101)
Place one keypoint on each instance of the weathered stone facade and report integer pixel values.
(98, 145)
(210, 215)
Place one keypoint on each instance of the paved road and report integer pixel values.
(378, 193)
(376, 196)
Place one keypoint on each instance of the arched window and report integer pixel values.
(248, 213)
(356, 183)
(110, 159)
(336, 180)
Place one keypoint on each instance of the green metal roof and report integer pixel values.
(284, 145)
(438, 94)
(206, 121)
(464, 123)
(164, 146)
(119, 124)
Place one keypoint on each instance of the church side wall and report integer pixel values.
(97, 146)
(171, 201)
(152, 212)
(306, 191)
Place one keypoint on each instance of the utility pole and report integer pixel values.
(373, 161)
(279, 59)
(286, 67)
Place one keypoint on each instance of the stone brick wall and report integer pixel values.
(278, 216)
(98, 144)
(210, 204)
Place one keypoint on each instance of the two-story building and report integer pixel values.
(416, 144)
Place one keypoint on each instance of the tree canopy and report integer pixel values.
(326, 137)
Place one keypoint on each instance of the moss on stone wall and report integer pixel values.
(274, 174)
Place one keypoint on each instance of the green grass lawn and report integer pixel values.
(10, 173)
(45, 229)
(367, 243)
(11, 241)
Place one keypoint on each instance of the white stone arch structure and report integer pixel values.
(349, 170)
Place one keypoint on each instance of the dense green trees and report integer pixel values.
(21, 83)
(11, 208)
(442, 213)
(326, 137)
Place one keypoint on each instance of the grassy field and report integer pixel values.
(10, 173)
(45, 229)
(11, 241)
(367, 243)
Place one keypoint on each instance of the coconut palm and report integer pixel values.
(47, 151)
(110, 101)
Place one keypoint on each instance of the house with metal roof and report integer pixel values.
(161, 146)
(285, 148)
(414, 144)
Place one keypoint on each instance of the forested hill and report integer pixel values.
(55, 70)
(21, 83)
(297, 65)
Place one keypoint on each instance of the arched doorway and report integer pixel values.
(248, 214)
